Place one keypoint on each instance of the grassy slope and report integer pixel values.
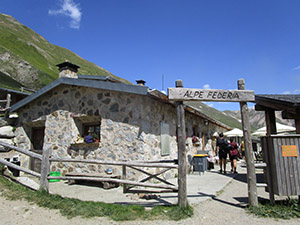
(8, 82)
(23, 42)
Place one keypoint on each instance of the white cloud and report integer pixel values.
(286, 92)
(206, 86)
(70, 9)
(296, 91)
(297, 68)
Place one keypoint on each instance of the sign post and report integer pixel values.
(181, 134)
(251, 175)
(180, 94)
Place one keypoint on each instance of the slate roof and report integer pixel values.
(98, 84)
(285, 103)
(6, 90)
(108, 83)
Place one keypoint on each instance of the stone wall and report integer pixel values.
(130, 127)
(7, 131)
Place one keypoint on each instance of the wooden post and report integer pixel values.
(124, 178)
(270, 122)
(297, 122)
(45, 168)
(251, 175)
(181, 139)
(8, 99)
(7, 106)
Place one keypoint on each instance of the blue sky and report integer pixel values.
(207, 44)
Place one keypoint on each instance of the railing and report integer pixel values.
(127, 184)
(5, 109)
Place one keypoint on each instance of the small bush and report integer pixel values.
(283, 209)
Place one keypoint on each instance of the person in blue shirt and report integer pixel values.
(89, 138)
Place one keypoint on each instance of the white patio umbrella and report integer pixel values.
(281, 128)
(216, 134)
(235, 132)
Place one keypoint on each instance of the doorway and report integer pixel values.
(37, 141)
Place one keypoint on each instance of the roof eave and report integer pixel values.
(121, 87)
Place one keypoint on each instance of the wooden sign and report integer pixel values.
(289, 150)
(185, 94)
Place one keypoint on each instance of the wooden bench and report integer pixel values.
(104, 184)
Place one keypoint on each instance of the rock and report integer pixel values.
(28, 182)
(7, 132)
(3, 122)
(8, 141)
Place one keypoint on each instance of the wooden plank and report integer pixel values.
(297, 166)
(292, 171)
(115, 163)
(182, 185)
(270, 121)
(19, 168)
(124, 178)
(116, 181)
(45, 167)
(289, 115)
(217, 95)
(271, 179)
(260, 165)
(150, 191)
(261, 185)
(101, 175)
(277, 166)
(287, 166)
(8, 99)
(251, 176)
(297, 122)
(286, 162)
(153, 176)
(29, 153)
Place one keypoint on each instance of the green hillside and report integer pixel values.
(30, 59)
(8, 82)
(216, 114)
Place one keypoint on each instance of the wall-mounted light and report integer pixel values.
(206, 122)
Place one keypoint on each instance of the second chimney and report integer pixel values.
(67, 69)
(140, 82)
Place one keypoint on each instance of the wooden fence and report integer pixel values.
(164, 185)
(5, 105)
(282, 156)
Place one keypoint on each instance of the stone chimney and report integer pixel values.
(140, 82)
(67, 69)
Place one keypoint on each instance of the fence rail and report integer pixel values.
(6, 109)
(44, 176)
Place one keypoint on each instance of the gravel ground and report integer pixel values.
(228, 207)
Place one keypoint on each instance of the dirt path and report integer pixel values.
(226, 208)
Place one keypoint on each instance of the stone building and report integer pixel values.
(129, 122)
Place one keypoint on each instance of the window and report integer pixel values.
(93, 129)
(87, 125)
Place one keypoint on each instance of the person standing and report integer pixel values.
(233, 154)
(222, 146)
(242, 148)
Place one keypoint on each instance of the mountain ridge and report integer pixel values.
(29, 59)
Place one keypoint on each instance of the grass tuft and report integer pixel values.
(71, 207)
(283, 209)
